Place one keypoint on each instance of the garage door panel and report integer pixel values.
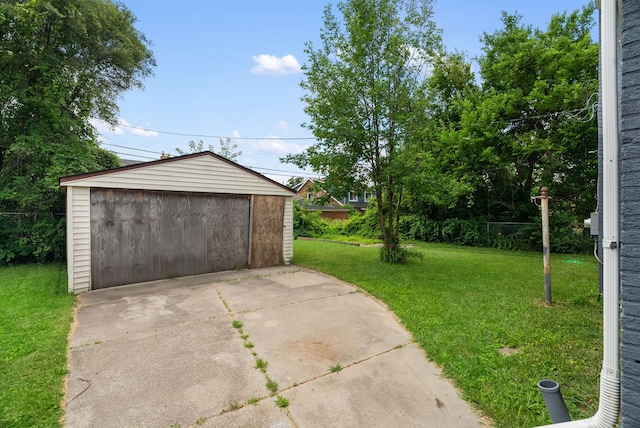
(194, 234)
(134, 237)
(118, 238)
(146, 235)
(228, 233)
(157, 223)
(177, 235)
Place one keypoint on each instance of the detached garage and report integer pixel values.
(173, 217)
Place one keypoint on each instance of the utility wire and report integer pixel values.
(590, 109)
(287, 173)
(280, 170)
(135, 155)
(160, 153)
(131, 148)
(272, 153)
(570, 114)
(181, 134)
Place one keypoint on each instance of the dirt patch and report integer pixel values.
(315, 350)
(506, 351)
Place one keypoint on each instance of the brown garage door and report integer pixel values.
(267, 231)
(146, 235)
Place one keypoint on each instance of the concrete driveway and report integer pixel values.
(169, 354)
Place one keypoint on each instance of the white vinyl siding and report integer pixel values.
(197, 174)
(201, 173)
(78, 239)
(287, 244)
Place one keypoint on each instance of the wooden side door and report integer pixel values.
(267, 231)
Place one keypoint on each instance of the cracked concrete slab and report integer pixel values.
(394, 389)
(303, 340)
(161, 377)
(166, 353)
(105, 315)
(278, 290)
(264, 414)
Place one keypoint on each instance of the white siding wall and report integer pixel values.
(204, 173)
(287, 244)
(78, 239)
(198, 174)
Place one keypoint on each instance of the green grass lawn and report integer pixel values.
(463, 305)
(35, 317)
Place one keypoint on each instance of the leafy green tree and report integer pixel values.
(532, 121)
(432, 182)
(294, 181)
(364, 89)
(63, 62)
(194, 148)
(227, 150)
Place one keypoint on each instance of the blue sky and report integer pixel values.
(231, 69)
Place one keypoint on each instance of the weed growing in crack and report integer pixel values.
(248, 344)
(261, 364)
(253, 401)
(272, 385)
(237, 324)
(282, 402)
(234, 405)
(335, 369)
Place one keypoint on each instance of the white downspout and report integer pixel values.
(609, 408)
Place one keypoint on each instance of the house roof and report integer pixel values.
(297, 188)
(197, 172)
(300, 185)
(359, 205)
(127, 162)
(313, 207)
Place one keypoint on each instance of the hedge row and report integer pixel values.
(566, 235)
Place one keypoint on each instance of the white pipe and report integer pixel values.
(609, 408)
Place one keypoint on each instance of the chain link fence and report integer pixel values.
(510, 235)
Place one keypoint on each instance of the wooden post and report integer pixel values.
(546, 249)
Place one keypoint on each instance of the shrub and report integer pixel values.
(419, 228)
(470, 232)
(308, 223)
(398, 254)
(516, 237)
(27, 238)
(566, 234)
(365, 224)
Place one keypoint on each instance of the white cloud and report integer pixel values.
(282, 126)
(139, 132)
(143, 133)
(123, 128)
(273, 144)
(105, 128)
(235, 133)
(270, 65)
